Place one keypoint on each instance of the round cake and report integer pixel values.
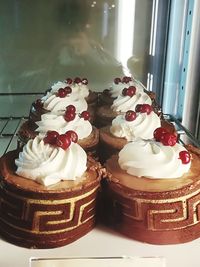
(48, 194)
(62, 94)
(125, 95)
(128, 127)
(88, 135)
(161, 210)
(109, 95)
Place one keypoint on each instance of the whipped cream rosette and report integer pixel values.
(67, 92)
(132, 125)
(119, 84)
(124, 103)
(63, 123)
(55, 103)
(49, 162)
(129, 95)
(153, 159)
(80, 88)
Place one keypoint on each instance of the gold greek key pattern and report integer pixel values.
(45, 216)
(162, 214)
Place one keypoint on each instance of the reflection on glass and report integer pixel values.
(45, 41)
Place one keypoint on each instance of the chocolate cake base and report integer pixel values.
(35, 216)
(155, 211)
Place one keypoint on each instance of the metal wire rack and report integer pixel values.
(185, 136)
(9, 127)
(8, 132)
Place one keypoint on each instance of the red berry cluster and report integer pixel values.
(144, 108)
(77, 80)
(130, 91)
(125, 79)
(70, 114)
(130, 115)
(63, 92)
(184, 156)
(166, 138)
(61, 140)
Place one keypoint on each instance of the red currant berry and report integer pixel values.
(71, 108)
(184, 156)
(63, 141)
(61, 93)
(131, 91)
(85, 81)
(126, 79)
(77, 80)
(117, 80)
(130, 115)
(124, 91)
(51, 137)
(146, 108)
(168, 139)
(69, 80)
(68, 90)
(138, 108)
(72, 136)
(159, 133)
(38, 103)
(85, 115)
(69, 116)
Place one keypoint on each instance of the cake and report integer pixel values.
(126, 95)
(130, 126)
(109, 95)
(152, 191)
(75, 92)
(61, 122)
(48, 193)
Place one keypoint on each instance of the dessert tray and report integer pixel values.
(101, 246)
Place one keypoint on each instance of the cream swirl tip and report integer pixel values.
(48, 164)
(143, 126)
(152, 159)
(125, 103)
(56, 122)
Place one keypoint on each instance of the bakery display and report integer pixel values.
(153, 190)
(48, 192)
(52, 191)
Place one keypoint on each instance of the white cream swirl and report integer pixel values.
(48, 165)
(54, 103)
(78, 90)
(54, 122)
(125, 103)
(143, 126)
(152, 159)
(116, 89)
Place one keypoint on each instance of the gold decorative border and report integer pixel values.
(38, 214)
(139, 209)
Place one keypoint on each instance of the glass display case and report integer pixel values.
(155, 41)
